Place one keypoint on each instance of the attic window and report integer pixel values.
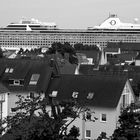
(34, 79)
(54, 94)
(16, 82)
(75, 94)
(90, 95)
(9, 70)
(6, 70)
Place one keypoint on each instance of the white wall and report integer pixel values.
(97, 127)
(5, 106)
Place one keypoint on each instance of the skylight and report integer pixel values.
(34, 79)
(9, 70)
(6, 70)
(54, 94)
(75, 94)
(90, 95)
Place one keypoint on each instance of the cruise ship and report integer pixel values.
(32, 33)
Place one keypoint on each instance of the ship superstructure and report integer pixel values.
(32, 34)
(30, 25)
(113, 22)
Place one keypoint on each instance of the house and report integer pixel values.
(24, 77)
(87, 56)
(105, 95)
(124, 46)
(137, 60)
(121, 53)
(62, 63)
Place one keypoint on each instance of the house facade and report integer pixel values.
(22, 77)
(106, 96)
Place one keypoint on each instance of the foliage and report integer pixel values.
(20, 51)
(74, 132)
(32, 52)
(129, 123)
(34, 121)
(102, 136)
(60, 48)
(1, 53)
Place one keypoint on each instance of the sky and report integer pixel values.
(68, 14)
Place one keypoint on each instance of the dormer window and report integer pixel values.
(75, 94)
(54, 94)
(16, 82)
(34, 79)
(9, 70)
(90, 95)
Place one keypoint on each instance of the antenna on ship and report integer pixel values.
(136, 20)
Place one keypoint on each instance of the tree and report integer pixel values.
(74, 133)
(20, 51)
(62, 49)
(129, 124)
(1, 53)
(102, 136)
(32, 119)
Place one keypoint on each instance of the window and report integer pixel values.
(88, 115)
(9, 70)
(12, 111)
(6, 70)
(125, 100)
(54, 94)
(88, 134)
(34, 79)
(2, 97)
(75, 94)
(16, 82)
(90, 95)
(103, 118)
(31, 95)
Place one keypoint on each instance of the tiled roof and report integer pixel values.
(107, 49)
(88, 54)
(106, 90)
(127, 56)
(67, 68)
(63, 66)
(3, 89)
(23, 70)
(86, 69)
(125, 46)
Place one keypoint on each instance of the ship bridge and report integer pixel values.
(113, 22)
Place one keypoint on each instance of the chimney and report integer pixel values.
(52, 62)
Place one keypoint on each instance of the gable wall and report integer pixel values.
(97, 127)
(131, 97)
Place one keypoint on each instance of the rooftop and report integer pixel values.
(106, 89)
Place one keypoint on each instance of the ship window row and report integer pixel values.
(82, 39)
(65, 35)
(73, 42)
(129, 37)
